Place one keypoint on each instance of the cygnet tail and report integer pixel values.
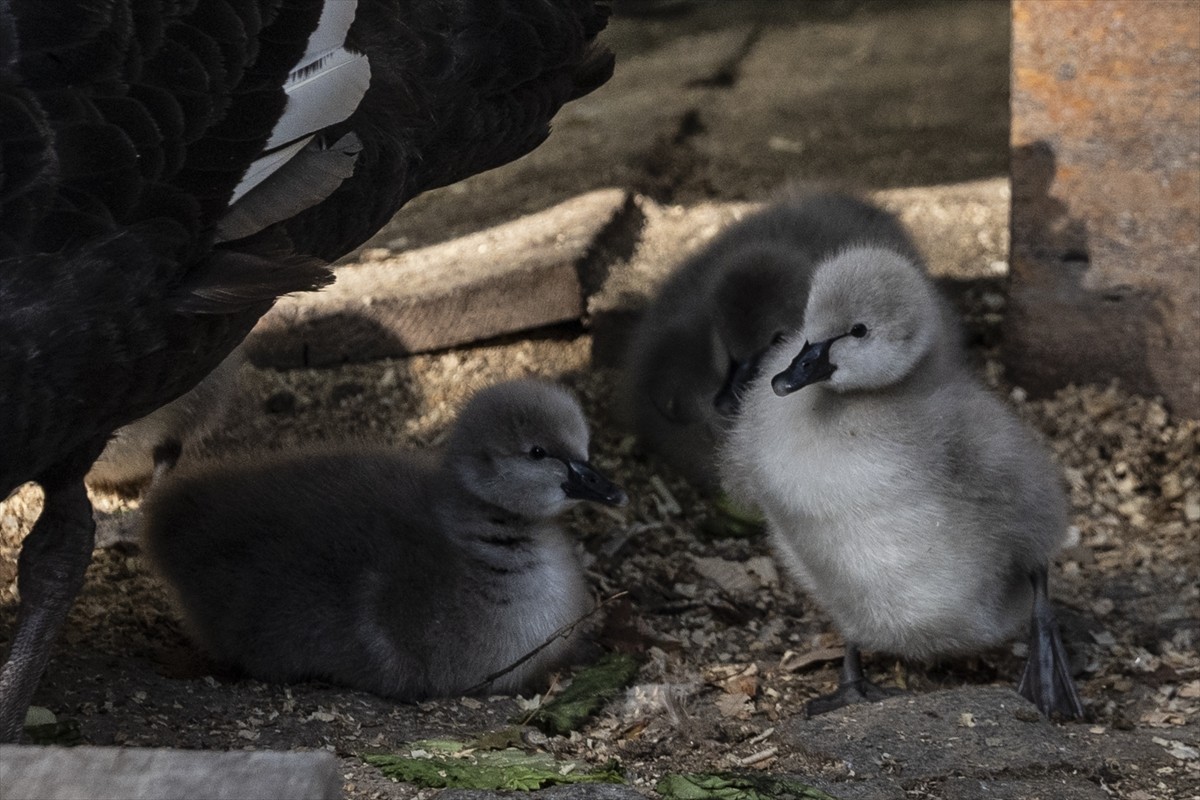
(1047, 680)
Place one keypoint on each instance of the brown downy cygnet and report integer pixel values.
(909, 501)
(701, 338)
(147, 448)
(396, 572)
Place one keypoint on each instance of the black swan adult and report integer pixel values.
(168, 168)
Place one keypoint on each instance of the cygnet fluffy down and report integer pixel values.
(909, 501)
(147, 448)
(395, 572)
(700, 339)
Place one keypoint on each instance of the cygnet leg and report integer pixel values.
(852, 688)
(54, 558)
(1047, 680)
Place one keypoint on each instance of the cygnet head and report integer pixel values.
(523, 446)
(760, 298)
(872, 316)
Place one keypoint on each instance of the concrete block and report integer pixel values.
(513, 277)
(1106, 197)
(98, 773)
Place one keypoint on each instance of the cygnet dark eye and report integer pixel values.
(537, 453)
(858, 330)
(777, 338)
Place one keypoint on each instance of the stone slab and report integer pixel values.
(986, 735)
(1106, 197)
(512, 277)
(98, 773)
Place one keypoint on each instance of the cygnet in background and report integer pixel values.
(700, 339)
(909, 501)
(146, 449)
(400, 573)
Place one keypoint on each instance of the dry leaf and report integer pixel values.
(733, 577)
(735, 678)
(735, 706)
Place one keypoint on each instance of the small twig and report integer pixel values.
(762, 737)
(668, 505)
(622, 537)
(561, 633)
(611, 513)
(758, 757)
(542, 701)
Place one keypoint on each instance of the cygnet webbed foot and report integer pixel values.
(853, 687)
(1046, 681)
(847, 694)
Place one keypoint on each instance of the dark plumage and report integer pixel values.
(395, 572)
(127, 127)
(148, 448)
(700, 339)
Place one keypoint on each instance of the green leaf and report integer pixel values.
(36, 716)
(731, 786)
(587, 694)
(511, 769)
(732, 520)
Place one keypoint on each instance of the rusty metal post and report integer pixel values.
(1106, 196)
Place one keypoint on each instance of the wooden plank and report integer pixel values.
(513, 277)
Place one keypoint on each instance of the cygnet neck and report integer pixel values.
(464, 513)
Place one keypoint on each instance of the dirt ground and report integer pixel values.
(732, 650)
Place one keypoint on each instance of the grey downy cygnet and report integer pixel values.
(144, 450)
(699, 342)
(909, 501)
(399, 573)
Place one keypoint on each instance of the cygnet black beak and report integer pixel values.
(585, 483)
(740, 374)
(810, 366)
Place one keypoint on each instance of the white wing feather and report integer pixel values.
(325, 88)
